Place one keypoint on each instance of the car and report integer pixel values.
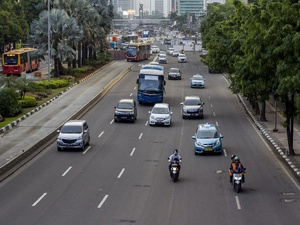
(74, 134)
(153, 63)
(207, 139)
(155, 49)
(181, 58)
(174, 74)
(197, 81)
(125, 110)
(162, 58)
(203, 53)
(170, 51)
(212, 70)
(175, 53)
(162, 52)
(192, 107)
(160, 115)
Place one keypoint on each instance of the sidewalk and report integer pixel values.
(21, 140)
(277, 139)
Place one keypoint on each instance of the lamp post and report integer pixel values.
(275, 128)
(49, 26)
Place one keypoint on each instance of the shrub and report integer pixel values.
(28, 102)
(9, 102)
(54, 83)
(78, 71)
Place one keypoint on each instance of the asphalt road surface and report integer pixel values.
(122, 177)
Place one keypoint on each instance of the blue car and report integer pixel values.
(207, 139)
(197, 81)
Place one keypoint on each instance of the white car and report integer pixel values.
(155, 49)
(181, 58)
(160, 115)
(170, 51)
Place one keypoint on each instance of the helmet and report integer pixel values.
(175, 151)
(236, 159)
(232, 157)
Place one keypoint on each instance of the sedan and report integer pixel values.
(174, 74)
(162, 59)
(175, 53)
(197, 81)
(155, 49)
(160, 115)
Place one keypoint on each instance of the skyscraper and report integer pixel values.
(195, 7)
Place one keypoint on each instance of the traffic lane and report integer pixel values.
(242, 139)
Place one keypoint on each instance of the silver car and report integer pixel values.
(162, 59)
(74, 134)
(160, 115)
(192, 107)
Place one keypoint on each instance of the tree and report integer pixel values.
(64, 30)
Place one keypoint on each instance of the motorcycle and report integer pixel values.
(237, 180)
(174, 170)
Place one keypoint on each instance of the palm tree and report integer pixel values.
(64, 32)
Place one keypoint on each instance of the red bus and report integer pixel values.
(138, 51)
(20, 61)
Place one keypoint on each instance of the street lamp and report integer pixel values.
(49, 54)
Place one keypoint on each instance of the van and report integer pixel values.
(74, 134)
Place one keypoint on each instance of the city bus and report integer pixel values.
(19, 61)
(138, 51)
(151, 84)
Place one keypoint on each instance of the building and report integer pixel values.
(195, 7)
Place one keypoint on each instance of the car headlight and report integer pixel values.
(117, 113)
(198, 143)
(184, 110)
(152, 117)
(218, 142)
(131, 113)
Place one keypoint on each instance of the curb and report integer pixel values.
(270, 139)
(16, 122)
(10, 167)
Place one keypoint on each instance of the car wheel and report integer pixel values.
(88, 142)
(116, 120)
(196, 153)
(59, 149)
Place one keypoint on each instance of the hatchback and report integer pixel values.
(197, 81)
(160, 115)
(207, 139)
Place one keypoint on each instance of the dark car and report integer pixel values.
(174, 74)
(126, 110)
(192, 107)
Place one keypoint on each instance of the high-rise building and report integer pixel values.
(195, 7)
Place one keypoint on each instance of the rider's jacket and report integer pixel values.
(236, 166)
(173, 157)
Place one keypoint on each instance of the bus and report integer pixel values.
(151, 84)
(19, 61)
(129, 38)
(138, 51)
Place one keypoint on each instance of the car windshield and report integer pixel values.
(125, 105)
(160, 111)
(197, 78)
(71, 129)
(206, 134)
(174, 70)
(162, 55)
(181, 55)
(192, 102)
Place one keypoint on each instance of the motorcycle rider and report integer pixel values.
(174, 158)
(236, 165)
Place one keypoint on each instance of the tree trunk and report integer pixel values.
(79, 54)
(290, 108)
(263, 111)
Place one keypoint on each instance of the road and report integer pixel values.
(122, 178)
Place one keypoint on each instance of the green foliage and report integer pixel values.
(9, 105)
(28, 102)
(78, 71)
(53, 84)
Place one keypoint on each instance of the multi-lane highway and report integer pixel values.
(122, 177)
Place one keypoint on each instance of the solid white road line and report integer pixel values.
(102, 202)
(64, 174)
(40, 198)
(120, 174)
(111, 121)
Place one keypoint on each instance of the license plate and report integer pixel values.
(208, 149)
